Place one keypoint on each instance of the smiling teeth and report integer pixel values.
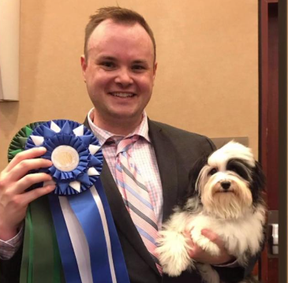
(121, 94)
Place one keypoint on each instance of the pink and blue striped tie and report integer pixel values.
(136, 196)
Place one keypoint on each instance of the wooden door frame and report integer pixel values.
(282, 15)
(268, 125)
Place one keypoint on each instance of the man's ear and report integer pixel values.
(154, 70)
(83, 66)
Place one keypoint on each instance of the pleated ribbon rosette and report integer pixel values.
(70, 235)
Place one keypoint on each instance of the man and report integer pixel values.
(119, 68)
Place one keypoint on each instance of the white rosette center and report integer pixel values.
(65, 158)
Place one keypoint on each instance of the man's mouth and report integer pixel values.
(122, 94)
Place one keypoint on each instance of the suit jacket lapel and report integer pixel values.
(166, 160)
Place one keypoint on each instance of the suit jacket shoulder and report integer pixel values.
(182, 139)
(188, 146)
(176, 151)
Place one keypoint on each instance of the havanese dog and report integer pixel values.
(225, 197)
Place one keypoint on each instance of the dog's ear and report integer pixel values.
(193, 176)
(196, 168)
(258, 181)
(258, 176)
(194, 173)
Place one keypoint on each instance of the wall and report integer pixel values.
(207, 79)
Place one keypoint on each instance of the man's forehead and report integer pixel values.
(111, 31)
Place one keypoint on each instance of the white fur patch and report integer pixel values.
(229, 151)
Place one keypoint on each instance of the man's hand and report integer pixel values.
(14, 181)
(202, 256)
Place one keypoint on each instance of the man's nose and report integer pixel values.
(123, 77)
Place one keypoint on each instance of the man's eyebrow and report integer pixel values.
(104, 57)
(140, 61)
(114, 59)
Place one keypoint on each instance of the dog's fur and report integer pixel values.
(225, 197)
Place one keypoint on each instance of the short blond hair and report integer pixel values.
(118, 15)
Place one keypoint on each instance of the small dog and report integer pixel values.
(225, 197)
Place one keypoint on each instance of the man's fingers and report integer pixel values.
(213, 237)
(36, 193)
(26, 154)
(30, 180)
(22, 168)
(189, 242)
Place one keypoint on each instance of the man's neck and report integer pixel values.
(120, 126)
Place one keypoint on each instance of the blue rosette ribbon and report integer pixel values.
(88, 243)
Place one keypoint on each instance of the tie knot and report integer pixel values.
(126, 144)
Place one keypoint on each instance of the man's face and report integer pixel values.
(119, 72)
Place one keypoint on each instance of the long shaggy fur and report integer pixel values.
(226, 197)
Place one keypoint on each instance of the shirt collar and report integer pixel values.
(103, 135)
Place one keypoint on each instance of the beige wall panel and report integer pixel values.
(207, 53)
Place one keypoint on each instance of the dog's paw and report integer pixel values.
(172, 253)
(204, 243)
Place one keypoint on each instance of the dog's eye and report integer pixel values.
(213, 171)
(241, 172)
(239, 168)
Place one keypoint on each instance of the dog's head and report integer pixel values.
(229, 181)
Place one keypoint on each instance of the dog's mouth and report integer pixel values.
(223, 191)
(224, 187)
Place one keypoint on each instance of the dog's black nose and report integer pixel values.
(226, 185)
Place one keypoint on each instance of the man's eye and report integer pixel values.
(108, 65)
(138, 68)
(213, 171)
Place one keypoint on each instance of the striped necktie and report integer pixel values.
(136, 196)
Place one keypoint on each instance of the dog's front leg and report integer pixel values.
(203, 242)
(173, 246)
